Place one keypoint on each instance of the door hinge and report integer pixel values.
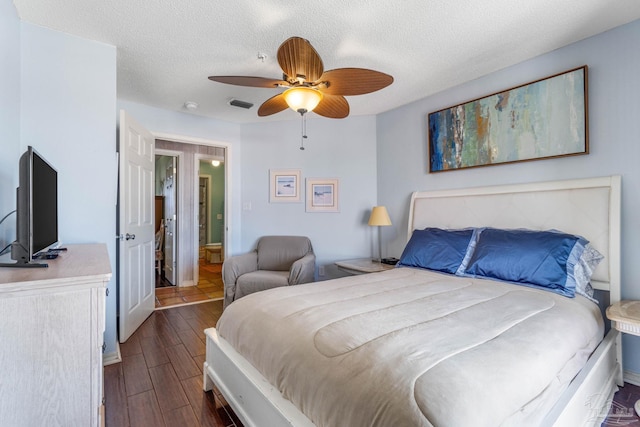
(107, 292)
(104, 347)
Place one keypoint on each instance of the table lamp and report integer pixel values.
(379, 217)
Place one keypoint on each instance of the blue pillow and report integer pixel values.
(436, 249)
(544, 259)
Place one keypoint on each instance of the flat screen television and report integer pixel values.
(36, 210)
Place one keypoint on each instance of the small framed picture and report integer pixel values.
(322, 195)
(284, 186)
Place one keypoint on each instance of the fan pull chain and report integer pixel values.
(304, 131)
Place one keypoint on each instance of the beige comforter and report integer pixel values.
(409, 347)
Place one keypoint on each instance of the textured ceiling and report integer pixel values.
(166, 49)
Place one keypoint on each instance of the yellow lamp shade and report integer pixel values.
(302, 99)
(379, 216)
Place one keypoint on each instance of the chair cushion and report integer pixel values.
(277, 253)
(259, 281)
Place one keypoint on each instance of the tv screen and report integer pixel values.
(44, 204)
(36, 209)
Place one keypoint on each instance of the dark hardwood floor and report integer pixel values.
(159, 382)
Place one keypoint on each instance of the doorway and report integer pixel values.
(210, 199)
(197, 225)
(135, 219)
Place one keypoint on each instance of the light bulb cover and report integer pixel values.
(302, 99)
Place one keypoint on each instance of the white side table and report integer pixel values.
(362, 266)
(625, 317)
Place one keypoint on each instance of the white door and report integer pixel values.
(136, 226)
(170, 220)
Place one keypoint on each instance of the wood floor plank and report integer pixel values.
(165, 330)
(136, 375)
(154, 351)
(176, 320)
(200, 359)
(144, 410)
(206, 407)
(169, 390)
(115, 396)
(199, 324)
(183, 417)
(194, 344)
(182, 362)
(148, 327)
(131, 346)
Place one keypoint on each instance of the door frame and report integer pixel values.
(179, 155)
(226, 214)
(227, 249)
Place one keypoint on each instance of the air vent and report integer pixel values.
(241, 104)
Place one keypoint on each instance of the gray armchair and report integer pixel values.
(276, 261)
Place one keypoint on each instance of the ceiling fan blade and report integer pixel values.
(297, 58)
(333, 106)
(354, 81)
(273, 105)
(249, 81)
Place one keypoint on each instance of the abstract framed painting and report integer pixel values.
(284, 186)
(544, 119)
(322, 195)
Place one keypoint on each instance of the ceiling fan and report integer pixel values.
(308, 86)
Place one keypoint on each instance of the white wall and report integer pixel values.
(614, 129)
(68, 96)
(343, 149)
(9, 117)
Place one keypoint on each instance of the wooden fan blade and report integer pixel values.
(297, 58)
(249, 81)
(333, 106)
(273, 105)
(354, 81)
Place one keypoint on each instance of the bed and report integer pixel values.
(365, 350)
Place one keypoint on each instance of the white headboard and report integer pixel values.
(586, 207)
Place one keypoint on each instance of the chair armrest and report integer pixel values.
(303, 270)
(234, 267)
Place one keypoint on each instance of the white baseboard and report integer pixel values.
(111, 358)
(632, 378)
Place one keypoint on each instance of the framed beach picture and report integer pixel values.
(284, 186)
(322, 195)
(543, 119)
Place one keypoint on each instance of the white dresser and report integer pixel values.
(51, 334)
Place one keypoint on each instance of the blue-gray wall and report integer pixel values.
(614, 143)
(9, 117)
(59, 95)
(343, 149)
(68, 97)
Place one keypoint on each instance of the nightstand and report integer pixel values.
(625, 317)
(362, 266)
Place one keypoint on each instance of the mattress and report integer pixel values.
(411, 347)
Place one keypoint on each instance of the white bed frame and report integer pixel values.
(588, 207)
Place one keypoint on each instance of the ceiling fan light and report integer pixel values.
(302, 99)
